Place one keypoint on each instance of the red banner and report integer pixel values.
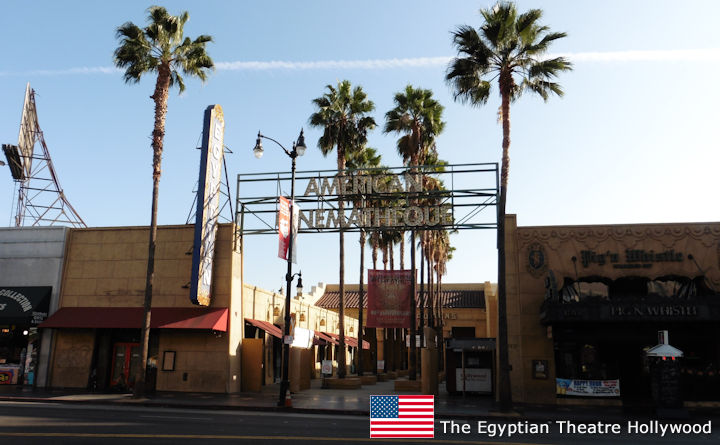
(284, 228)
(389, 294)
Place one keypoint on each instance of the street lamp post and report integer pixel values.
(298, 149)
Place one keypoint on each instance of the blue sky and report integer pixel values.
(634, 140)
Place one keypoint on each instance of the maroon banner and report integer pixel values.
(283, 227)
(389, 294)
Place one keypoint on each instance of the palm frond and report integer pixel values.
(508, 43)
(343, 114)
(161, 42)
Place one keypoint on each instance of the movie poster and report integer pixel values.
(388, 297)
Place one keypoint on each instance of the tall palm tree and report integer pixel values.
(365, 161)
(159, 48)
(343, 114)
(509, 47)
(418, 117)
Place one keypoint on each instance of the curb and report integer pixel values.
(515, 416)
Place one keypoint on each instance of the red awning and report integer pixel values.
(266, 326)
(326, 338)
(215, 319)
(350, 341)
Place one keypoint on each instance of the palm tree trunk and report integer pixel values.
(160, 97)
(431, 283)
(421, 294)
(361, 291)
(441, 346)
(342, 369)
(391, 252)
(385, 256)
(504, 387)
(412, 365)
(402, 251)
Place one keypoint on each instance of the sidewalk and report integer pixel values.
(336, 401)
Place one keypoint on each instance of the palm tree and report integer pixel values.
(159, 48)
(365, 161)
(342, 113)
(418, 117)
(509, 48)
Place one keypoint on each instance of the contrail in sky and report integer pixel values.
(680, 55)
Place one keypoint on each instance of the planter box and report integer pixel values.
(369, 379)
(408, 385)
(346, 383)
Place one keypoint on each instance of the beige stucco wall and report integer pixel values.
(201, 356)
(106, 267)
(528, 339)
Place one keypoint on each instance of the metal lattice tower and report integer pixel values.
(40, 199)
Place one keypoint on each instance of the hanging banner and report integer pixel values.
(284, 228)
(388, 296)
(588, 388)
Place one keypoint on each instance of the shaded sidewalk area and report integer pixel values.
(338, 401)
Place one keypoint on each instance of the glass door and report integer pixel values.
(126, 358)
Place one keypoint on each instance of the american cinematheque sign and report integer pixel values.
(430, 197)
(362, 185)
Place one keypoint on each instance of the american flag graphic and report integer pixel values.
(402, 416)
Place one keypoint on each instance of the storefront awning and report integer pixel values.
(350, 341)
(326, 338)
(215, 319)
(266, 326)
(664, 351)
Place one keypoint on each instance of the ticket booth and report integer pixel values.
(470, 365)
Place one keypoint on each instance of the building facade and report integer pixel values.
(586, 302)
(97, 326)
(232, 345)
(31, 262)
(469, 327)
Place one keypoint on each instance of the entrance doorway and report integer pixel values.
(126, 358)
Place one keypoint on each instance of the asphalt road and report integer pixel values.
(48, 423)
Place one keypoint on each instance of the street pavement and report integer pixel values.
(88, 423)
(317, 400)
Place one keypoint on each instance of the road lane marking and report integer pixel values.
(179, 417)
(234, 437)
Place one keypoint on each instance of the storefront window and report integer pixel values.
(18, 354)
(584, 361)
